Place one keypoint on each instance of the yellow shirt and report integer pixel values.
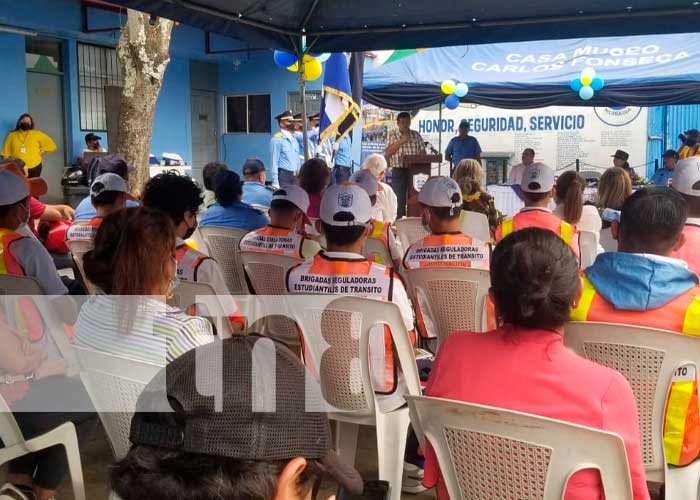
(28, 146)
(687, 152)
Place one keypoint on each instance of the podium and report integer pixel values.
(419, 168)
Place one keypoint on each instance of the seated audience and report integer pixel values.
(642, 285)
(255, 192)
(31, 382)
(570, 208)
(210, 171)
(108, 194)
(662, 177)
(691, 145)
(285, 233)
(686, 180)
(345, 222)
(537, 191)
(236, 452)
(379, 230)
(313, 178)
(386, 206)
(620, 161)
(446, 245)
(229, 210)
(131, 320)
(534, 282)
(114, 164)
(613, 189)
(469, 176)
(23, 255)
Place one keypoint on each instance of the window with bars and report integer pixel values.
(97, 67)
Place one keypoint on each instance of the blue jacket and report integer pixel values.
(238, 215)
(636, 282)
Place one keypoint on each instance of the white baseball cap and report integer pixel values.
(346, 198)
(537, 178)
(366, 181)
(13, 188)
(441, 192)
(294, 195)
(686, 176)
(108, 183)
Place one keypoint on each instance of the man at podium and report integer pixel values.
(402, 141)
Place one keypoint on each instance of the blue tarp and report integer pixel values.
(638, 71)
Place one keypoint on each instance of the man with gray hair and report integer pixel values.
(386, 206)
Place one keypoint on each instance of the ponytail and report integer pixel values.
(570, 186)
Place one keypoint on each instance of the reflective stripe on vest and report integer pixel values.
(447, 250)
(380, 231)
(537, 218)
(84, 231)
(274, 240)
(8, 263)
(188, 262)
(682, 315)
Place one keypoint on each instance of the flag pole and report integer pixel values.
(302, 92)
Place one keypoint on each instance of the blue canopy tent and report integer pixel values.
(637, 71)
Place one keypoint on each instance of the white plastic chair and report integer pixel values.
(451, 298)
(16, 446)
(487, 452)
(647, 358)
(222, 243)
(268, 274)
(588, 244)
(346, 385)
(201, 296)
(78, 248)
(410, 230)
(376, 251)
(476, 225)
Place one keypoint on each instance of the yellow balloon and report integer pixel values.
(293, 68)
(312, 68)
(586, 80)
(448, 87)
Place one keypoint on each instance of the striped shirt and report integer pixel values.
(140, 328)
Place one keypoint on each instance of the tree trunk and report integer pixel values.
(143, 53)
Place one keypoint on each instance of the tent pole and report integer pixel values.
(440, 137)
(302, 92)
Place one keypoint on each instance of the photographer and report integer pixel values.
(690, 144)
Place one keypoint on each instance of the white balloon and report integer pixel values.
(323, 57)
(588, 72)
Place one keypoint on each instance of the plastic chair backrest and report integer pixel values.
(487, 452)
(344, 324)
(222, 243)
(588, 243)
(376, 251)
(114, 384)
(454, 298)
(476, 225)
(268, 272)
(410, 230)
(647, 358)
(188, 294)
(10, 433)
(78, 248)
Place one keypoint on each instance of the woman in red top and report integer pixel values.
(314, 176)
(523, 364)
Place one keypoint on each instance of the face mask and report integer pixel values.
(96, 145)
(190, 230)
(290, 127)
(24, 126)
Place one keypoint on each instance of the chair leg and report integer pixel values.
(392, 430)
(70, 444)
(346, 440)
(682, 482)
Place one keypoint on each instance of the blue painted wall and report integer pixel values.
(13, 99)
(665, 123)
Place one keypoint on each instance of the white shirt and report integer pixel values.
(516, 174)
(386, 206)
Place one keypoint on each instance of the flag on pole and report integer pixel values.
(339, 112)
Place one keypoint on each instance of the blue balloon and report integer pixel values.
(461, 89)
(452, 102)
(597, 83)
(284, 59)
(586, 93)
(576, 84)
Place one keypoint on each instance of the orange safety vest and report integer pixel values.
(274, 240)
(8, 263)
(540, 218)
(447, 250)
(690, 252)
(188, 262)
(682, 315)
(361, 278)
(84, 231)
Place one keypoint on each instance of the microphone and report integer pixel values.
(430, 147)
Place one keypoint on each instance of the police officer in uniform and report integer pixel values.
(284, 151)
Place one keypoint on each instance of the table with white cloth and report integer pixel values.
(509, 203)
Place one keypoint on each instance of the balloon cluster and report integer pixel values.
(453, 91)
(587, 84)
(312, 63)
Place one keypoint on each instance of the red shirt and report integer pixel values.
(531, 371)
(690, 251)
(36, 210)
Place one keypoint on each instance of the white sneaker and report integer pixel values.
(412, 481)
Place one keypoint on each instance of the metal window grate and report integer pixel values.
(97, 67)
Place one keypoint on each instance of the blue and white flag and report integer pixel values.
(339, 112)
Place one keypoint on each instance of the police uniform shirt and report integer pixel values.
(284, 150)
